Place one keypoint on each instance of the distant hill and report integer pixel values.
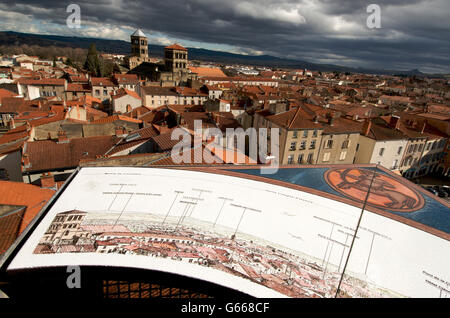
(9, 38)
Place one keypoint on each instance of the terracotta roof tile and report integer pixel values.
(126, 78)
(207, 71)
(5, 93)
(134, 138)
(102, 81)
(21, 194)
(123, 92)
(78, 88)
(43, 81)
(48, 155)
(113, 118)
(176, 47)
(164, 141)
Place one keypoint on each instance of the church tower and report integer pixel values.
(176, 58)
(139, 44)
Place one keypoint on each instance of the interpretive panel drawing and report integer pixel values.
(263, 239)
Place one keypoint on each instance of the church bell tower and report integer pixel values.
(139, 44)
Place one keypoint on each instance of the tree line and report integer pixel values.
(79, 58)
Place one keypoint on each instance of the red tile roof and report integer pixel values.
(78, 88)
(102, 81)
(114, 118)
(134, 138)
(46, 120)
(124, 92)
(176, 47)
(20, 105)
(20, 194)
(164, 141)
(187, 91)
(48, 155)
(5, 93)
(207, 71)
(296, 118)
(126, 78)
(43, 81)
(20, 133)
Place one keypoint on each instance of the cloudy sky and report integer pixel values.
(414, 34)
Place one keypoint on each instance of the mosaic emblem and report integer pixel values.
(386, 192)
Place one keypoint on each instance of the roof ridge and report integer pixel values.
(294, 118)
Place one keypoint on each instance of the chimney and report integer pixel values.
(48, 180)
(62, 137)
(26, 161)
(12, 124)
(394, 122)
(331, 118)
(121, 131)
(423, 127)
(366, 127)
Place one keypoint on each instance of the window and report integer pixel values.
(290, 159)
(429, 146)
(310, 157)
(326, 157)
(303, 145)
(295, 134)
(381, 152)
(395, 164)
(315, 133)
(329, 144)
(305, 133)
(300, 159)
(343, 155)
(313, 145)
(399, 150)
(97, 92)
(346, 144)
(293, 146)
(420, 148)
(105, 92)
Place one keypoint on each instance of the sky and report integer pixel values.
(414, 34)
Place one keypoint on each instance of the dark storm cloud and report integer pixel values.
(414, 33)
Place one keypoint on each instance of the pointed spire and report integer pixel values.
(139, 32)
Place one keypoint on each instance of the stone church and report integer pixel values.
(173, 72)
